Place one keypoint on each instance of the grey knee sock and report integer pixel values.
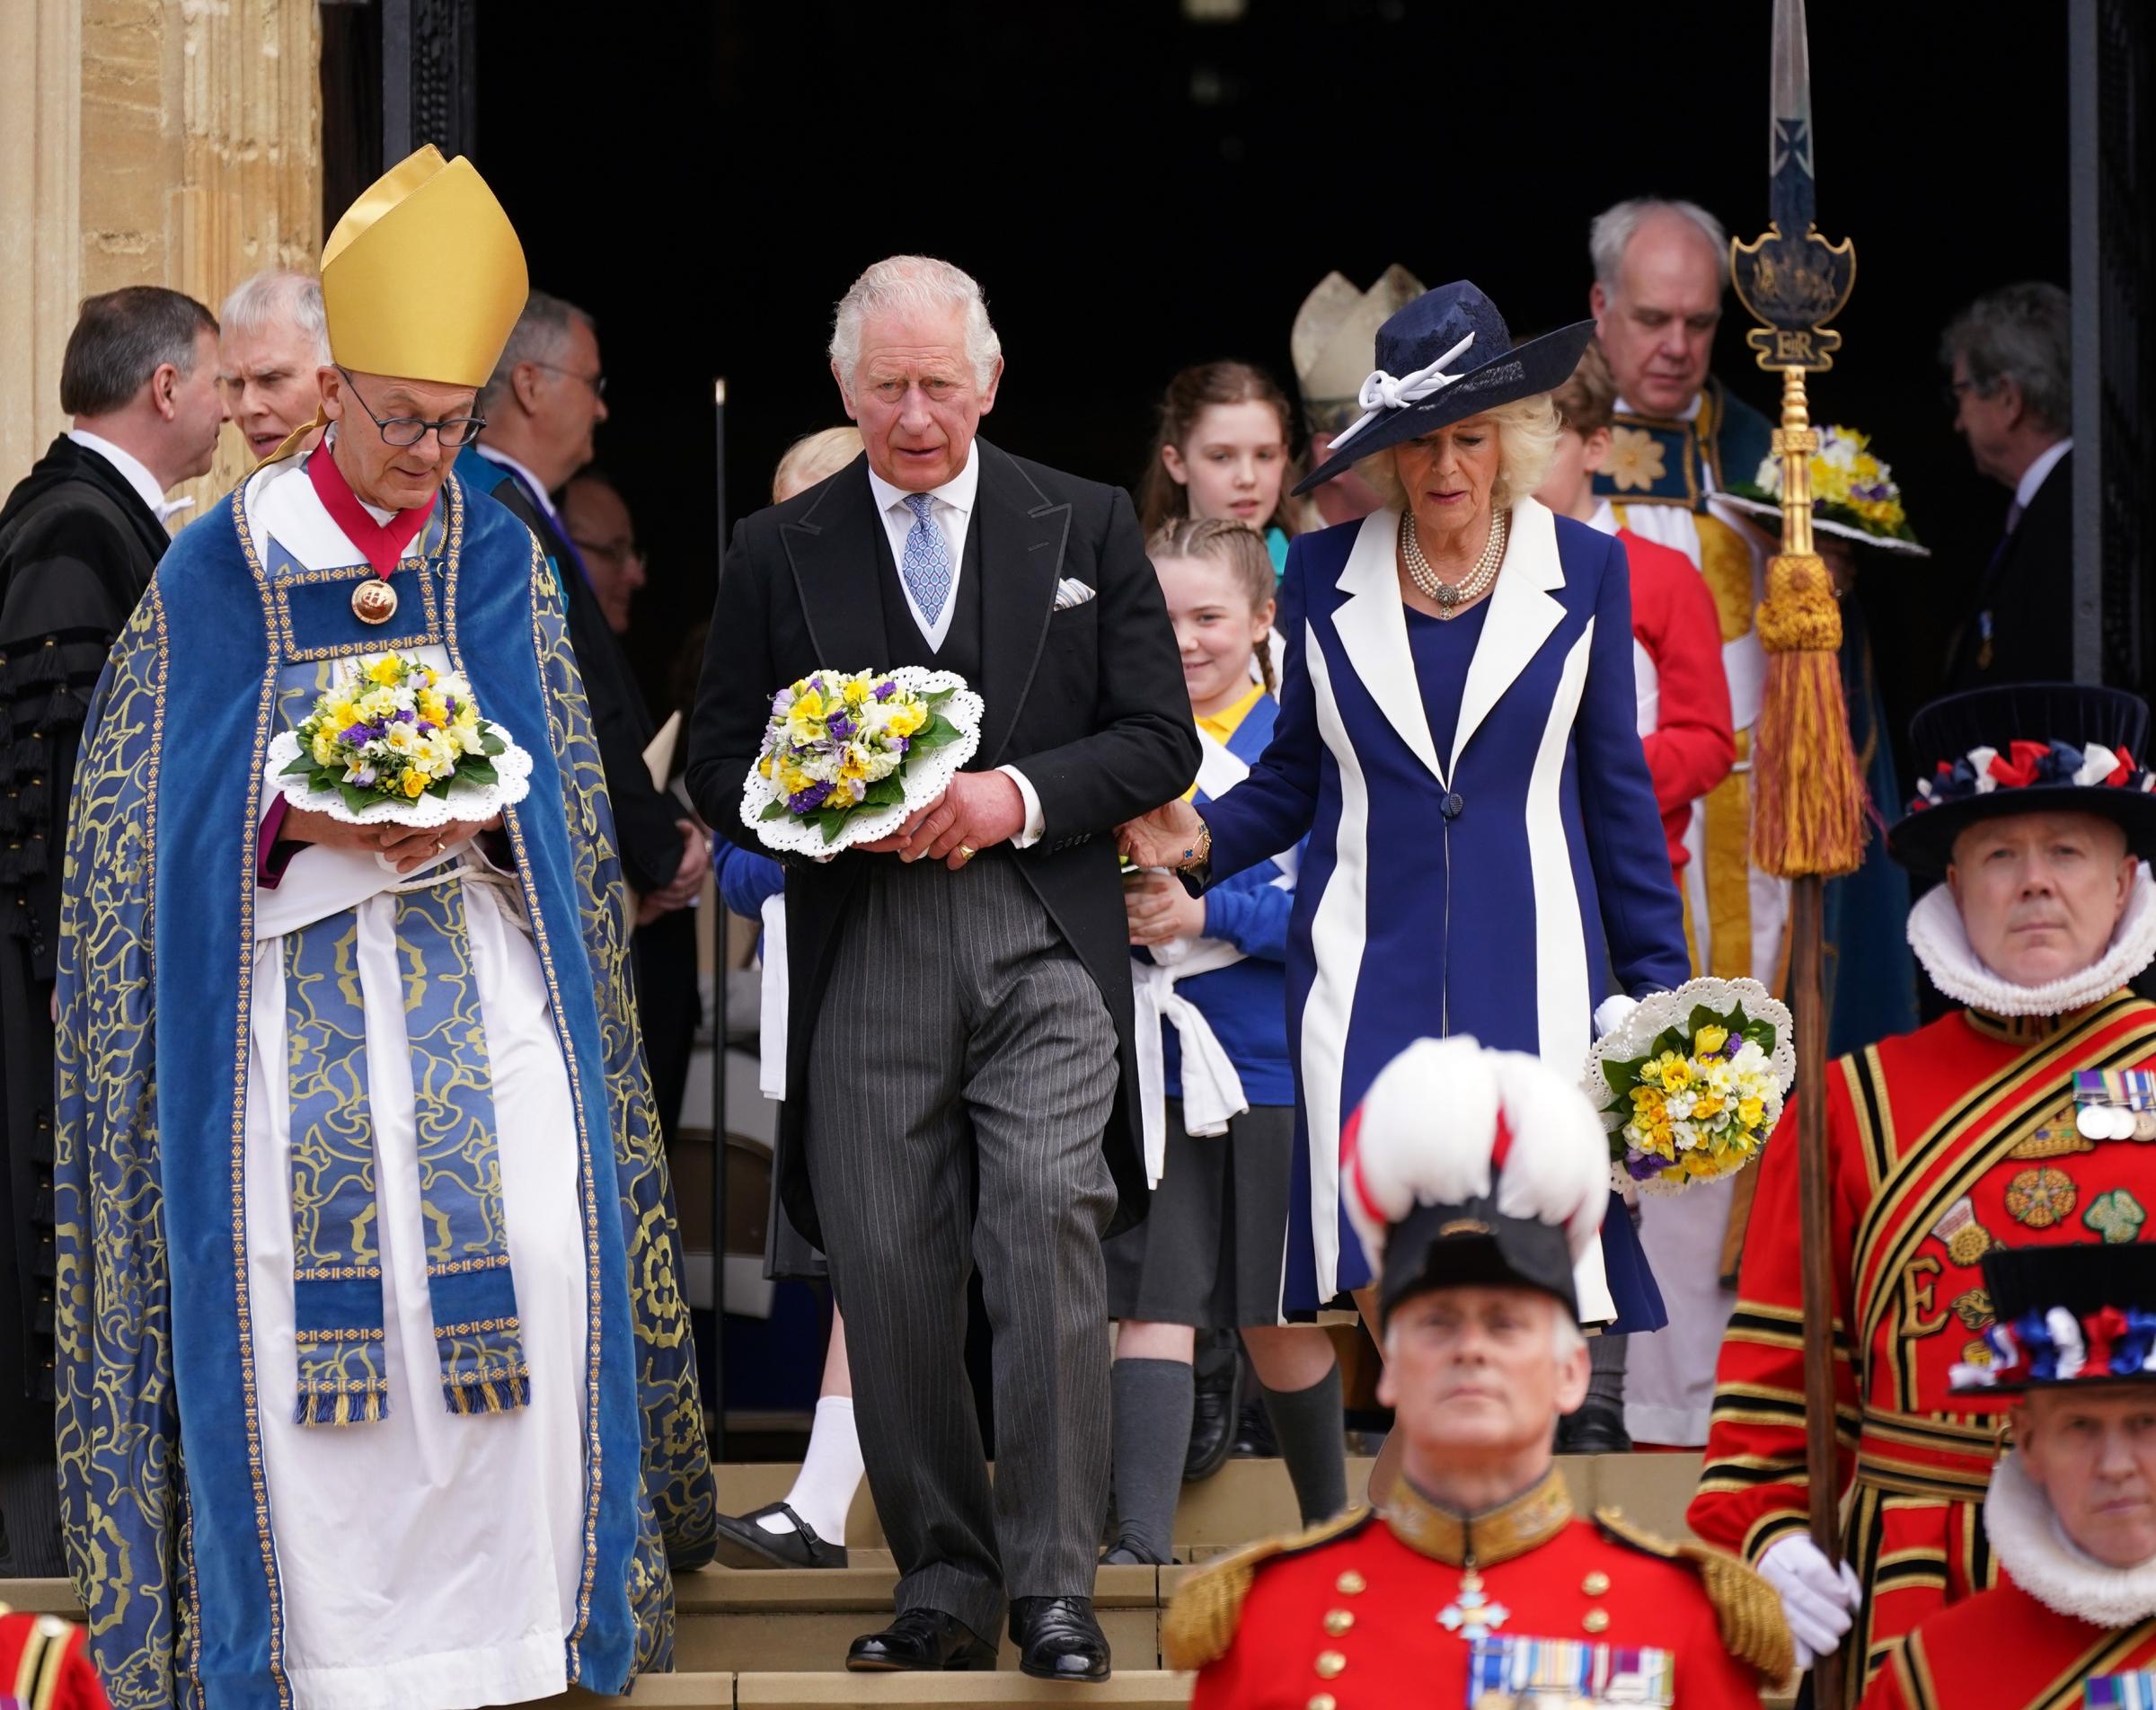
(1605, 1370)
(1309, 1428)
(1150, 1402)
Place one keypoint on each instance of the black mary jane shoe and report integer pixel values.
(920, 1639)
(1127, 1552)
(1596, 1427)
(1059, 1639)
(744, 1543)
(1218, 1386)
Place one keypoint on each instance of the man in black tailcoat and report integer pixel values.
(960, 1076)
(79, 536)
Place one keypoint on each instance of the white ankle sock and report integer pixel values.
(830, 1473)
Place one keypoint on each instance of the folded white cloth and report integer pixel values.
(1213, 1091)
(771, 1030)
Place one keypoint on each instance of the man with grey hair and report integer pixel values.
(272, 343)
(79, 536)
(2011, 370)
(959, 1031)
(542, 404)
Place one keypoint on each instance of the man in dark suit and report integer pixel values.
(79, 536)
(545, 401)
(2011, 361)
(959, 1035)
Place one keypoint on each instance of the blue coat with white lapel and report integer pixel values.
(1510, 917)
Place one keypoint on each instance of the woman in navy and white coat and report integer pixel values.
(1457, 739)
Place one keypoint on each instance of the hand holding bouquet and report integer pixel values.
(847, 757)
(1690, 1083)
(397, 741)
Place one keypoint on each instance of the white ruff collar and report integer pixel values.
(2047, 1564)
(1935, 934)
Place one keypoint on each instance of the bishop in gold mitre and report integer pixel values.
(376, 1384)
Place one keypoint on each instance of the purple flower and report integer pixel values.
(405, 715)
(840, 726)
(810, 799)
(354, 734)
(1646, 1167)
(905, 742)
(886, 689)
(426, 729)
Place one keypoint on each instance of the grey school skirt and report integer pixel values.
(1211, 1250)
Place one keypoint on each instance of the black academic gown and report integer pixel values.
(646, 819)
(78, 545)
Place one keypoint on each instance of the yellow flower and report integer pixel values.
(807, 711)
(1676, 1073)
(1706, 1107)
(386, 669)
(1634, 460)
(323, 748)
(1701, 1163)
(415, 785)
(1709, 1040)
(1751, 1112)
(855, 692)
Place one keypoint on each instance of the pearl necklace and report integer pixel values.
(1452, 598)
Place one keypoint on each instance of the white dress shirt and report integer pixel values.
(2033, 477)
(133, 471)
(952, 512)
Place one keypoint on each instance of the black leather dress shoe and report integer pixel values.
(743, 1543)
(1597, 1428)
(1213, 1413)
(925, 1639)
(1059, 1639)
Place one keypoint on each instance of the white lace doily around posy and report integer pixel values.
(1637, 1031)
(512, 769)
(926, 776)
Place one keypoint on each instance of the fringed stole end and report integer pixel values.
(487, 1394)
(323, 1407)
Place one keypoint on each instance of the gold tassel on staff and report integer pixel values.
(1808, 816)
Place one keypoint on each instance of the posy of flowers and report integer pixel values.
(1692, 1083)
(839, 744)
(394, 728)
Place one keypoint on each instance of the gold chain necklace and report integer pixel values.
(1453, 597)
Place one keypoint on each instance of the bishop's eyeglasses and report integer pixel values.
(452, 432)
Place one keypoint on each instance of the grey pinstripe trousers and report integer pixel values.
(962, 1073)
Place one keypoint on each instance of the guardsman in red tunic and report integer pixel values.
(44, 1665)
(2071, 1512)
(1477, 1178)
(2016, 1122)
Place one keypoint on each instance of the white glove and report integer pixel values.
(1816, 1601)
(1612, 1012)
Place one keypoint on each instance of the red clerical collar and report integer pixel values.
(384, 543)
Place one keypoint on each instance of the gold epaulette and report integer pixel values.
(1199, 1624)
(1747, 1606)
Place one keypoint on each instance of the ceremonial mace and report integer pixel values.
(1807, 817)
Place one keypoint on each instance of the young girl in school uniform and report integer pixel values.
(1218, 1090)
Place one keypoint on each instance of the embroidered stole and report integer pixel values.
(337, 1275)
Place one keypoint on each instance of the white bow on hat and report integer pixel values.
(1381, 391)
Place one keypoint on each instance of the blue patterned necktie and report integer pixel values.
(927, 564)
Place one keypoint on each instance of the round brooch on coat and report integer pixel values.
(373, 601)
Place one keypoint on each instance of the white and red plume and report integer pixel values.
(1446, 1118)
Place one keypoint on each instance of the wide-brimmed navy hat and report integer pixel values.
(2026, 747)
(1446, 356)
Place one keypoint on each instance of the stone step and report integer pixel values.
(1139, 1688)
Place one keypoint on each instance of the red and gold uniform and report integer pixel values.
(2005, 1651)
(1942, 1143)
(44, 1665)
(1421, 1605)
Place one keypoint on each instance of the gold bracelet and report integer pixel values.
(1202, 853)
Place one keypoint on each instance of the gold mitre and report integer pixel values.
(1335, 332)
(423, 278)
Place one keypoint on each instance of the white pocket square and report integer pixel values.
(1069, 592)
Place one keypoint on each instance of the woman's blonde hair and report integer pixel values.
(1527, 430)
(1238, 545)
(814, 457)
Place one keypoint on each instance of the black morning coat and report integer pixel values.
(78, 545)
(2028, 588)
(1086, 699)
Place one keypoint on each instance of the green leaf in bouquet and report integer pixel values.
(439, 787)
(885, 793)
(491, 740)
(357, 799)
(303, 766)
(774, 810)
(473, 770)
(829, 820)
(936, 698)
(936, 733)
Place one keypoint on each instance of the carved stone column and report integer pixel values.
(145, 142)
